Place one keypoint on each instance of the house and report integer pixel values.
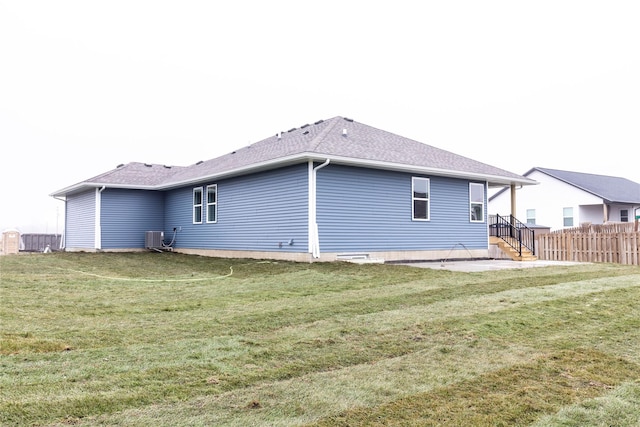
(565, 199)
(328, 190)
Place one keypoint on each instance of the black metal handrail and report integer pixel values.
(512, 231)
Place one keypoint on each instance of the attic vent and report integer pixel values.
(305, 132)
(167, 167)
(304, 126)
(318, 122)
(120, 165)
(148, 165)
(349, 120)
(291, 130)
(199, 162)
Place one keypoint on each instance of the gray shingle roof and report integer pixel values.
(612, 189)
(342, 140)
(141, 174)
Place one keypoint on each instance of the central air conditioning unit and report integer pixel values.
(154, 239)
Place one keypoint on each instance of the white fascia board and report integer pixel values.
(89, 185)
(305, 157)
(310, 156)
(493, 179)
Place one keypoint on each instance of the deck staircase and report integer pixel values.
(506, 245)
(512, 237)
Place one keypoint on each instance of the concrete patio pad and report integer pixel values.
(487, 265)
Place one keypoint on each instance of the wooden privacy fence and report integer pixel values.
(614, 247)
(616, 227)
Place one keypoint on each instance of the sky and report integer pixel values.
(88, 85)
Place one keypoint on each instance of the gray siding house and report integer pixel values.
(330, 190)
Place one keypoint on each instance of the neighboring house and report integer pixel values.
(332, 189)
(565, 199)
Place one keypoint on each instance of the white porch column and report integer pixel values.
(513, 200)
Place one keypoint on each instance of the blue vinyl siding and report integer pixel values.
(128, 214)
(255, 213)
(363, 209)
(80, 213)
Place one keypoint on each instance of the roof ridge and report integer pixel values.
(319, 138)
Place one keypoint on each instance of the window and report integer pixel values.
(476, 202)
(531, 216)
(212, 203)
(197, 205)
(567, 215)
(420, 197)
(624, 215)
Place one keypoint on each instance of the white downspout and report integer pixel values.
(314, 237)
(62, 240)
(98, 226)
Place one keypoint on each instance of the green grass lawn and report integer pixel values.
(163, 339)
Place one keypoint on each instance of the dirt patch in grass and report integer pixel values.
(26, 342)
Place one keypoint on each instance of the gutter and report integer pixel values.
(307, 157)
(87, 185)
(350, 161)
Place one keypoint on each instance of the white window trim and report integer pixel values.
(471, 203)
(564, 217)
(214, 204)
(427, 199)
(532, 217)
(196, 205)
